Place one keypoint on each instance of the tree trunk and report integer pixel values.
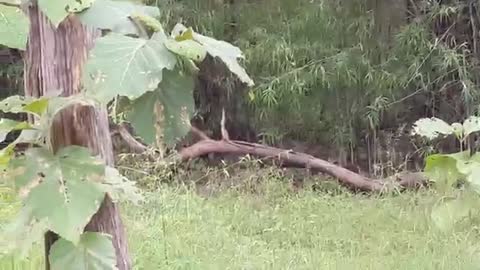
(217, 88)
(54, 60)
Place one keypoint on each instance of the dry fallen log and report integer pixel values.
(293, 159)
(288, 158)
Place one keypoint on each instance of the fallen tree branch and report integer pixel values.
(293, 159)
(286, 158)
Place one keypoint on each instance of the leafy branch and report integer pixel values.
(136, 60)
(447, 170)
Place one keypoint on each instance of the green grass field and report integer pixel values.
(274, 228)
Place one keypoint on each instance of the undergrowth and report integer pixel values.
(248, 215)
(263, 224)
(281, 230)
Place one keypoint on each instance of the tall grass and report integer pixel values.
(273, 228)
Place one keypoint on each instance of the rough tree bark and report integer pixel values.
(54, 60)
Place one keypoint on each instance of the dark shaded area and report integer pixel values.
(216, 88)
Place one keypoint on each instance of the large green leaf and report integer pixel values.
(228, 53)
(22, 233)
(11, 2)
(464, 162)
(57, 10)
(432, 127)
(7, 125)
(6, 154)
(174, 98)
(36, 106)
(59, 188)
(471, 125)
(446, 169)
(148, 23)
(94, 251)
(125, 66)
(14, 27)
(120, 188)
(31, 136)
(474, 177)
(26, 136)
(45, 108)
(187, 48)
(470, 166)
(449, 212)
(443, 170)
(114, 15)
(15, 104)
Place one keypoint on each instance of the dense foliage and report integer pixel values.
(448, 171)
(338, 72)
(333, 72)
(346, 73)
